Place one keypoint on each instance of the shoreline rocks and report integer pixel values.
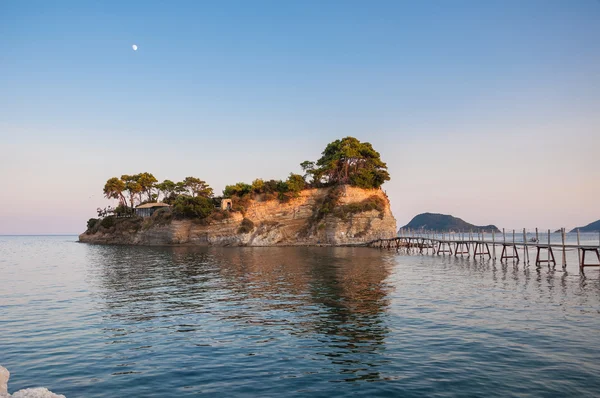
(38, 392)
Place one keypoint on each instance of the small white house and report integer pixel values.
(226, 204)
(147, 209)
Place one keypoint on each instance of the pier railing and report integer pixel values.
(478, 244)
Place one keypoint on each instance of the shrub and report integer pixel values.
(329, 203)
(240, 189)
(192, 207)
(162, 216)
(108, 222)
(258, 186)
(246, 226)
(219, 215)
(373, 202)
(295, 183)
(91, 223)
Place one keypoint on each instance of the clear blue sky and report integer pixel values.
(488, 110)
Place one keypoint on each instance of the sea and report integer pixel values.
(123, 321)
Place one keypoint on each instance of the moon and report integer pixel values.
(134, 47)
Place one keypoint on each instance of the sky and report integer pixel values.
(486, 110)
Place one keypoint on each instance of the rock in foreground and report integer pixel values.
(38, 392)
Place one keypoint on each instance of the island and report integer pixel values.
(444, 223)
(338, 200)
(591, 227)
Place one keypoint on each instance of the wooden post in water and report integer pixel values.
(494, 243)
(537, 238)
(579, 252)
(548, 251)
(564, 256)
(525, 251)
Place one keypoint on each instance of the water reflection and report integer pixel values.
(337, 296)
(98, 321)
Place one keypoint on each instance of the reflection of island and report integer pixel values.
(324, 302)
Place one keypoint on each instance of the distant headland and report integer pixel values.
(337, 200)
(444, 223)
(591, 227)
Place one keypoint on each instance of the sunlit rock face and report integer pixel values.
(37, 392)
(275, 224)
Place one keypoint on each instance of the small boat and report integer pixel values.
(533, 240)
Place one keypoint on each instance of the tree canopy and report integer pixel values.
(344, 161)
(144, 187)
(348, 161)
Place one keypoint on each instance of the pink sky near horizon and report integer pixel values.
(488, 111)
(525, 180)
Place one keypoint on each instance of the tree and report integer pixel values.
(240, 189)
(349, 161)
(180, 188)
(132, 186)
(308, 167)
(295, 183)
(113, 189)
(192, 207)
(258, 186)
(146, 181)
(197, 187)
(166, 188)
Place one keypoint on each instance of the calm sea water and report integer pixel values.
(109, 321)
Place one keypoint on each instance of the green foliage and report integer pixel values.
(246, 226)
(308, 167)
(132, 186)
(295, 183)
(240, 189)
(91, 223)
(345, 161)
(258, 186)
(162, 216)
(167, 187)
(197, 187)
(218, 215)
(192, 207)
(349, 161)
(122, 210)
(108, 222)
(328, 204)
(146, 182)
(113, 189)
(373, 202)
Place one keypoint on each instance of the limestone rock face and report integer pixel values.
(295, 222)
(4, 376)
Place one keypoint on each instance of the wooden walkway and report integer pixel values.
(478, 245)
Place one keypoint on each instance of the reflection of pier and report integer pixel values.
(478, 245)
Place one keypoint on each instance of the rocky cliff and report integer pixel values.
(336, 216)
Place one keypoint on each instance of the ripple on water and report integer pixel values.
(103, 321)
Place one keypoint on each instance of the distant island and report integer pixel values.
(444, 223)
(337, 200)
(591, 227)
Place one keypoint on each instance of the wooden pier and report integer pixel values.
(478, 245)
